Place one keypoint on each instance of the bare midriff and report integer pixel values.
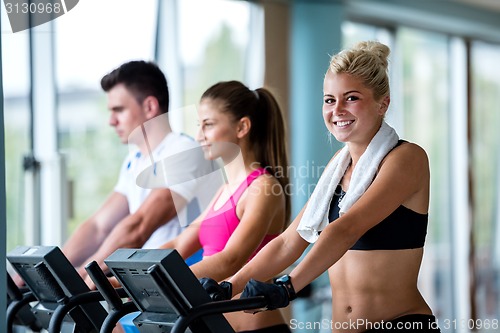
(373, 286)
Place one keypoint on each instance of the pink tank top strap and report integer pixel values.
(218, 225)
(244, 185)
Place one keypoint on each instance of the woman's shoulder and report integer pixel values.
(407, 156)
(409, 150)
(266, 184)
(265, 179)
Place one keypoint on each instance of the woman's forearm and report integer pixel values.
(273, 259)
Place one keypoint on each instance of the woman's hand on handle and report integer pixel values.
(277, 295)
(216, 291)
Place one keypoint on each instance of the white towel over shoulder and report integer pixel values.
(315, 216)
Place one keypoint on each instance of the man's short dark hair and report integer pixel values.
(142, 79)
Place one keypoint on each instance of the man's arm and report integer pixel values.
(135, 229)
(87, 238)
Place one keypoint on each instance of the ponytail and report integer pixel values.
(271, 135)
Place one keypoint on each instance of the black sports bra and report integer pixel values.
(403, 229)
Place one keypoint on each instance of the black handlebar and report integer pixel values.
(182, 323)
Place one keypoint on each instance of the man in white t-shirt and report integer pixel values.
(134, 216)
(136, 163)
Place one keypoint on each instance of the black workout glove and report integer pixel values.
(216, 291)
(277, 295)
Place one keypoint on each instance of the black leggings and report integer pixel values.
(418, 323)
(281, 328)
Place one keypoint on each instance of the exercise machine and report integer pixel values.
(64, 303)
(168, 294)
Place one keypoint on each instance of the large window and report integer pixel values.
(425, 107)
(120, 31)
(16, 86)
(89, 41)
(214, 39)
(485, 151)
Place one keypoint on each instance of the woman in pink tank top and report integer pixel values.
(244, 129)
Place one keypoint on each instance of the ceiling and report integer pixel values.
(483, 4)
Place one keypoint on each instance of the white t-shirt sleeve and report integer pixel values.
(122, 184)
